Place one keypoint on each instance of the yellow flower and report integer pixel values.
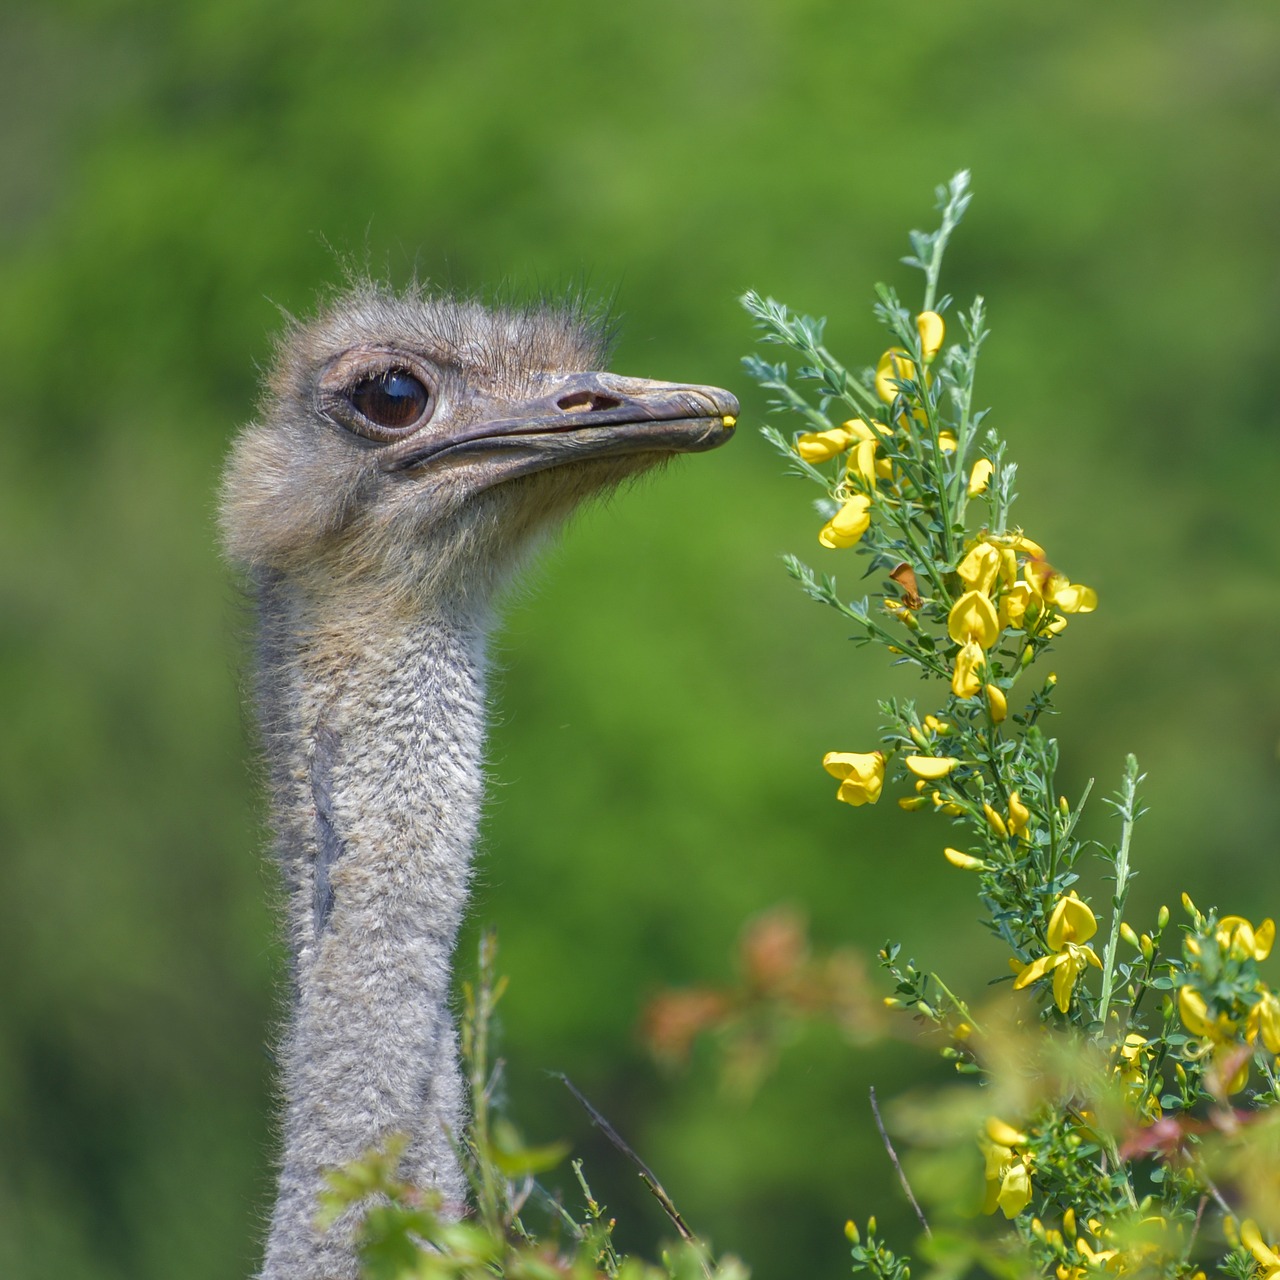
(1220, 1031)
(931, 768)
(947, 442)
(822, 446)
(966, 681)
(1130, 1068)
(1014, 605)
(980, 476)
(895, 366)
(931, 328)
(1194, 1011)
(1008, 1168)
(861, 775)
(973, 618)
(1057, 589)
(995, 821)
(1264, 1021)
(1071, 925)
(965, 861)
(1251, 1239)
(848, 524)
(1236, 935)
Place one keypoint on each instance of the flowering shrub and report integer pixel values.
(1121, 1098)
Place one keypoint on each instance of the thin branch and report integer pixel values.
(647, 1176)
(897, 1164)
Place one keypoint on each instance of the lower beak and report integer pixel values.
(585, 415)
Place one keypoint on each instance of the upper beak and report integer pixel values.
(584, 415)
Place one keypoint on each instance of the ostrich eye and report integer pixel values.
(393, 400)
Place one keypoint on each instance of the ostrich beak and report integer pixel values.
(584, 415)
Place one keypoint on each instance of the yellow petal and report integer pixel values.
(980, 476)
(1264, 936)
(931, 768)
(1015, 1190)
(979, 568)
(965, 680)
(859, 428)
(1071, 921)
(1064, 980)
(1251, 1239)
(862, 461)
(931, 329)
(973, 618)
(1004, 1135)
(1037, 969)
(894, 366)
(822, 446)
(965, 861)
(947, 442)
(848, 524)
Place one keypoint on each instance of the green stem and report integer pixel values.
(1126, 806)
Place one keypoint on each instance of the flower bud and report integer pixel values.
(930, 326)
(997, 704)
(1163, 918)
(851, 1232)
(931, 768)
(965, 861)
(1127, 933)
(995, 821)
(1148, 947)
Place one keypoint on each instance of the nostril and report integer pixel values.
(587, 402)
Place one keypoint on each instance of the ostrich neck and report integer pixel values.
(374, 725)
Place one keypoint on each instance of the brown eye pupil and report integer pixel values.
(392, 399)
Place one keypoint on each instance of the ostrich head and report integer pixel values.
(419, 443)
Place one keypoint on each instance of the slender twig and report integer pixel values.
(647, 1176)
(897, 1164)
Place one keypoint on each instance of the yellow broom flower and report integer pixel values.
(861, 775)
(848, 524)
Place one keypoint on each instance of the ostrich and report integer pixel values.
(412, 449)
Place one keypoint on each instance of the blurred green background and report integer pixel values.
(175, 174)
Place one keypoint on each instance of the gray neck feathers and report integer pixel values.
(373, 724)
